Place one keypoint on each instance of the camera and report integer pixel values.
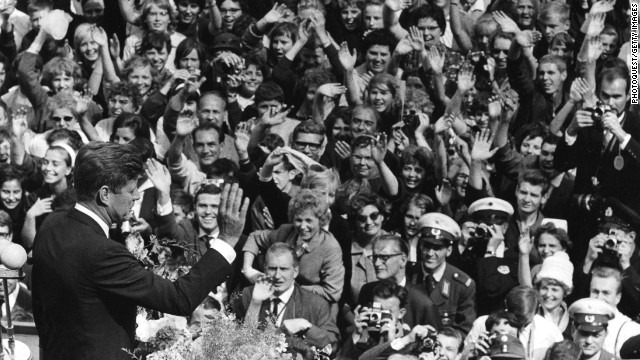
(429, 344)
(598, 112)
(411, 122)
(376, 316)
(588, 202)
(478, 241)
(609, 255)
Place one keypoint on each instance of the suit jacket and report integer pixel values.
(86, 289)
(590, 158)
(303, 304)
(454, 296)
(420, 309)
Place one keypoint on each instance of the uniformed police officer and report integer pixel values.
(497, 263)
(451, 290)
(590, 319)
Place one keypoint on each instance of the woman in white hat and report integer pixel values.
(554, 283)
(548, 239)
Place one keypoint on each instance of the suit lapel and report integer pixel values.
(291, 305)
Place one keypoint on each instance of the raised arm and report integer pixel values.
(389, 180)
(391, 15)
(462, 38)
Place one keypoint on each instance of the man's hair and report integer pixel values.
(429, 11)
(268, 91)
(126, 89)
(60, 66)
(401, 244)
(199, 3)
(307, 199)
(564, 350)
(38, 5)
(380, 37)
(101, 164)
(453, 334)
(210, 189)
(551, 139)
(4, 136)
(560, 63)
(136, 62)
(388, 288)
(613, 73)
(360, 4)
(309, 127)
(608, 272)
(555, 8)
(421, 156)
(5, 220)
(182, 199)
(534, 177)
(208, 127)
(522, 301)
(282, 248)
(157, 40)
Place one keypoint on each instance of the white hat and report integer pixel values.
(491, 205)
(557, 267)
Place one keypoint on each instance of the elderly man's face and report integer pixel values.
(363, 122)
(388, 260)
(281, 268)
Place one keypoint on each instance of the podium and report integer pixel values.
(12, 349)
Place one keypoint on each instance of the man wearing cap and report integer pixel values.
(390, 254)
(449, 288)
(496, 261)
(618, 228)
(590, 320)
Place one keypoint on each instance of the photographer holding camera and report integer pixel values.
(614, 247)
(379, 322)
(422, 341)
(603, 144)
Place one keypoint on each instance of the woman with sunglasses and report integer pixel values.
(320, 257)
(367, 214)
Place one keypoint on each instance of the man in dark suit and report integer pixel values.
(86, 287)
(450, 289)
(606, 152)
(276, 297)
(390, 254)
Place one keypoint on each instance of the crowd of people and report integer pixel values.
(440, 179)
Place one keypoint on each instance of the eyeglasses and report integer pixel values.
(312, 146)
(383, 258)
(65, 118)
(363, 218)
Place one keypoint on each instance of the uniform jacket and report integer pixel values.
(303, 304)
(590, 158)
(454, 296)
(86, 289)
(420, 309)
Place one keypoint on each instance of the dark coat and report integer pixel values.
(87, 287)
(591, 159)
(420, 309)
(303, 304)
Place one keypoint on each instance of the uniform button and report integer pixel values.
(455, 275)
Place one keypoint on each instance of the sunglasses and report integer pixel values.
(65, 118)
(363, 218)
(383, 258)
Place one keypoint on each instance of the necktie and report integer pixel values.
(431, 283)
(274, 309)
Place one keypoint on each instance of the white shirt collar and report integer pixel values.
(214, 234)
(285, 296)
(403, 283)
(103, 225)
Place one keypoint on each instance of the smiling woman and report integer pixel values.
(321, 267)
